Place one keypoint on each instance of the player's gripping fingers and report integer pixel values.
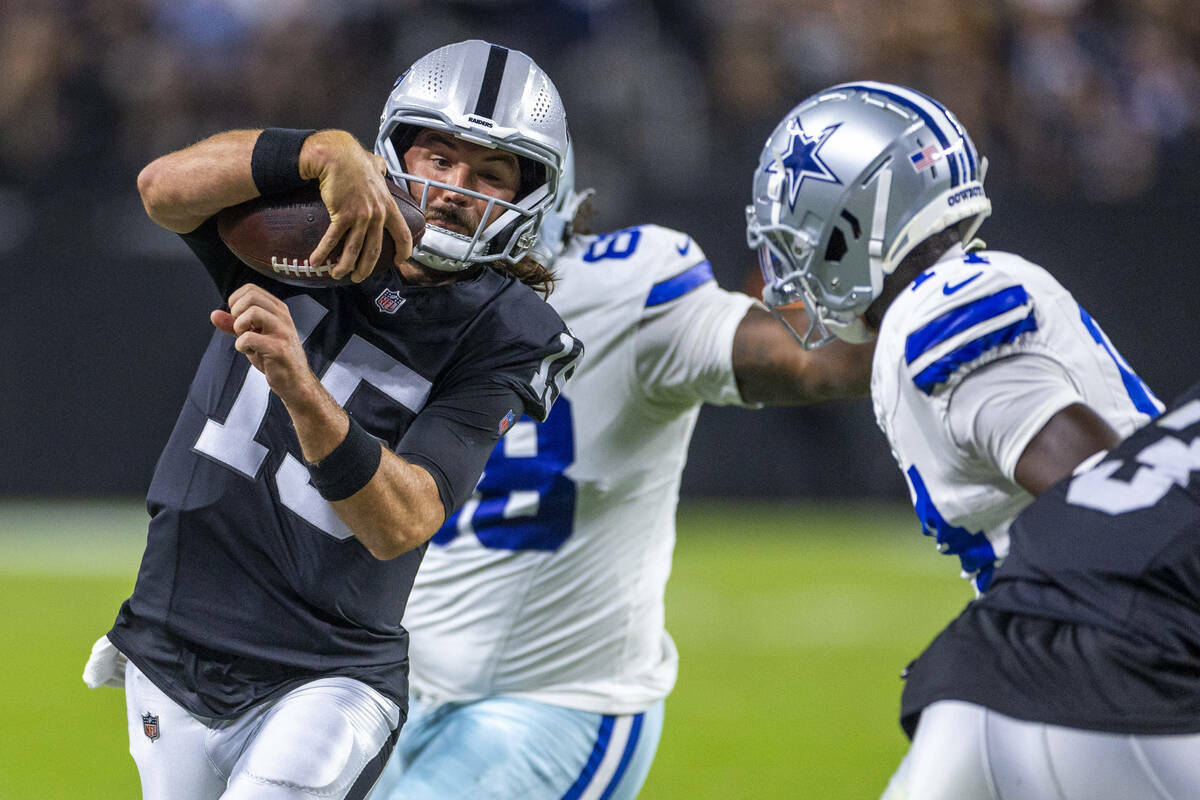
(249, 295)
(257, 319)
(372, 244)
(351, 247)
(333, 234)
(251, 344)
(401, 236)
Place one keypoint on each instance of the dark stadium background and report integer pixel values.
(1088, 111)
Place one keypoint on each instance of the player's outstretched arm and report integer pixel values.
(391, 505)
(772, 368)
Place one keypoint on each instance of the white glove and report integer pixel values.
(105, 667)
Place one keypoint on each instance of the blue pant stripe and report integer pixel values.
(603, 737)
(626, 757)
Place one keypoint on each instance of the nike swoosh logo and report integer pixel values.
(683, 248)
(948, 289)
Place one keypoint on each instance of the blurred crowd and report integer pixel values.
(667, 98)
(1087, 110)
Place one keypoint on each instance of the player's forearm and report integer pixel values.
(397, 508)
(182, 189)
(772, 368)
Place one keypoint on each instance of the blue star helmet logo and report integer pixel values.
(803, 159)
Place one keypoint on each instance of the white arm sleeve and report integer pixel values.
(997, 409)
(685, 347)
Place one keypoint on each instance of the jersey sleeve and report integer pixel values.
(227, 272)
(685, 334)
(455, 433)
(1000, 407)
(967, 314)
(457, 430)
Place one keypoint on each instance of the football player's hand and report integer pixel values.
(105, 666)
(360, 206)
(266, 334)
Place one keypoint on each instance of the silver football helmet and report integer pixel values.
(491, 96)
(848, 184)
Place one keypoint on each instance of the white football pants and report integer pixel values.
(963, 751)
(326, 739)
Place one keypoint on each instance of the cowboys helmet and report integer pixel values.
(491, 96)
(848, 184)
(559, 219)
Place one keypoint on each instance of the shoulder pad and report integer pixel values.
(963, 315)
(653, 252)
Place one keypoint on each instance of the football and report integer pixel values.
(275, 234)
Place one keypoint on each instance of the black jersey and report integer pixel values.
(250, 582)
(1093, 620)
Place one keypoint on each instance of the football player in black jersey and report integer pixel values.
(1077, 676)
(328, 433)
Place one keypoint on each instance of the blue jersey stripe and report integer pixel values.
(939, 371)
(960, 318)
(603, 737)
(679, 285)
(974, 550)
(1143, 399)
(943, 140)
(630, 747)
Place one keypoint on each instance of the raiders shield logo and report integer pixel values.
(150, 725)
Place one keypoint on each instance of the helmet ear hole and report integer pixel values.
(836, 249)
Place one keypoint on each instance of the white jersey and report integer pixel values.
(972, 360)
(549, 582)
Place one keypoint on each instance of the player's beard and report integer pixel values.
(453, 218)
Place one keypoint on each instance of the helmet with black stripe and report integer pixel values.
(491, 96)
(848, 184)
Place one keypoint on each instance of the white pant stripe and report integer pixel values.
(612, 758)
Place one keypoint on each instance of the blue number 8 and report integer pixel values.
(524, 501)
(618, 244)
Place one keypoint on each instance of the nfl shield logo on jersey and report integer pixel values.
(150, 725)
(506, 422)
(389, 301)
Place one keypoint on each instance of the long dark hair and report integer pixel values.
(542, 278)
(529, 272)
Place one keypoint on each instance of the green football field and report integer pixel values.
(792, 623)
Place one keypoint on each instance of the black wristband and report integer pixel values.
(275, 162)
(349, 466)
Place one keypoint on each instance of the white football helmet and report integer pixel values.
(491, 96)
(848, 184)
(559, 218)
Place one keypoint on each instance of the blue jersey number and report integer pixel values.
(524, 501)
(1139, 393)
(618, 244)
